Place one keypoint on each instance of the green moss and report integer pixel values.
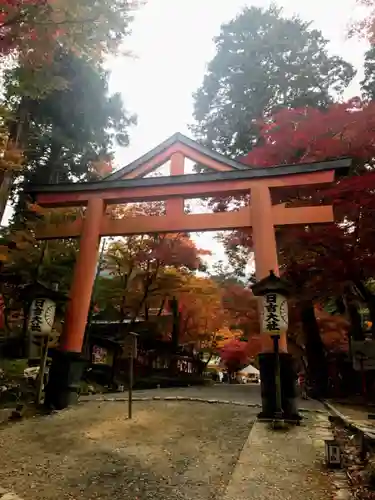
(13, 367)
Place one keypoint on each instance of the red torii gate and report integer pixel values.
(128, 185)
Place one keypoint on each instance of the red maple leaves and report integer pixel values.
(310, 134)
(343, 251)
(28, 29)
(234, 355)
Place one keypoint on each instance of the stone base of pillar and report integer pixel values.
(288, 387)
(64, 380)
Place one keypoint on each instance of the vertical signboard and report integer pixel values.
(275, 313)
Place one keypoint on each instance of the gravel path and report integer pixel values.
(170, 450)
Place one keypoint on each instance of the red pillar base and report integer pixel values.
(268, 389)
(64, 380)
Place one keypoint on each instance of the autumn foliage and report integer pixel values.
(33, 29)
(234, 355)
(334, 330)
(17, 23)
(310, 134)
(344, 251)
(201, 311)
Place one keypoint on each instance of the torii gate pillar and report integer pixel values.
(265, 253)
(68, 365)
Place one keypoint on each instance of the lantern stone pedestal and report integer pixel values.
(64, 379)
(267, 363)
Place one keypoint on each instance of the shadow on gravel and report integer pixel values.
(173, 450)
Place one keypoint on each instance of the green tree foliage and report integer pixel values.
(263, 61)
(25, 259)
(368, 82)
(48, 42)
(70, 128)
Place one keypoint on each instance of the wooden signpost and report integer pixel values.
(130, 352)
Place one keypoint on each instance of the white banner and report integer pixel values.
(274, 314)
(41, 316)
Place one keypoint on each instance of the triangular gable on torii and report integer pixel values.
(176, 144)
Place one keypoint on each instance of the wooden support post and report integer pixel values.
(42, 369)
(130, 388)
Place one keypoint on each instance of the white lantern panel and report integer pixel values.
(41, 316)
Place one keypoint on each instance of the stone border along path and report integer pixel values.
(122, 399)
(368, 432)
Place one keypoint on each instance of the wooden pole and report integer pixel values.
(131, 368)
(279, 410)
(363, 378)
(42, 369)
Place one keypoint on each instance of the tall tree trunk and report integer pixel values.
(5, 188)
(317, 370)
(17, 131)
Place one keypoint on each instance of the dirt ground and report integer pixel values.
(170, 450)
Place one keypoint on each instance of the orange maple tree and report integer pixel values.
(334, 331)
(144, 271)
(201, 314)
(241, 308)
